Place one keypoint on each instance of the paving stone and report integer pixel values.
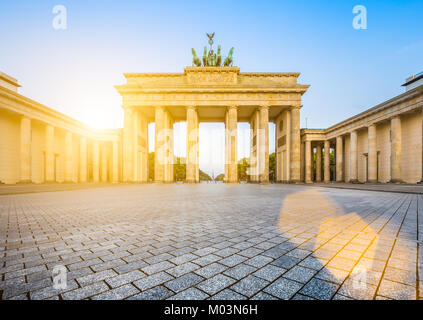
(155, 268)
(85, 292)
(286, 262)
(183, 282)
(269, 272)
(156, 293)
(357, 289)
(95, 277)
(283, 288)
(125, 278)
(117, 293)
(332, 275)
(397, 291)
(240, 271)
(233, 260)
(249, 286)
(210, 258)
(300, 274)
(215, 284)
(228, 294)
(190, 294)
(183, 258)
(152, 281)
(302, 297)
(182, 269)
(50, 291)
(211, 270)
(258, 261)
(319, 289)
(263, 296)
(226, 252)
(234, 231)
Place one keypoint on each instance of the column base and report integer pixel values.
(308, 182)
(327, 181)
(372, 181)
(28, 181)
(354, 181)
(398, 181)
(190, 181)
(295, 182)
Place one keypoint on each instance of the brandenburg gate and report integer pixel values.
(211, 92)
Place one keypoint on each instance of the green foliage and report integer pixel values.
(220, 177)
(204, 176)
(179, 169)
(272, 167)
(151, 167)
(243, 166)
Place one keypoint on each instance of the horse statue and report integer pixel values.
(228, 61)
(205, 57)
(195, 60)
(219, 57)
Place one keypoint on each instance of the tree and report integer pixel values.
(204, 176)
(179, 169)
(272, 167)
(220, 177)
(151, 166)
(243, 166)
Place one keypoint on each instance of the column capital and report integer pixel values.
(295, 107)
(191, 107)
(232, 107)
(264, 106)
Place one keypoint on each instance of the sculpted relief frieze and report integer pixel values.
(173, 98)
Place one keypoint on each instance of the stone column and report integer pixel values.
(159, 145)
(83, 160)
(295, 145)
(372, 154)
(50, 161)
(25, 151)
(144, 147)
(327, 162)
(168, 148)
(104, 163)
(339, 159)
(232, 144)
(308, 162)
(115, 170)
(135, 149)
(353, 157)
(96, 162)
(127, 146)
(318, 163)
(264, 144)
(396, 149)
(68, 157)
(253, 170)
(192, 145)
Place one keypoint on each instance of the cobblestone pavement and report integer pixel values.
(212, 242)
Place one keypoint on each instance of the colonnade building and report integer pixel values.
(40, 145)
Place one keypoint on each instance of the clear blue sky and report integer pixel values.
(74, 70)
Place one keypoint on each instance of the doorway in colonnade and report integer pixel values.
(179, 151)
(212, 152)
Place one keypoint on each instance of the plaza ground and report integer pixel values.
(211, 241)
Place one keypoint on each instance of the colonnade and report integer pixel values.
(361, 154)
(135, 144)
(77, 158)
